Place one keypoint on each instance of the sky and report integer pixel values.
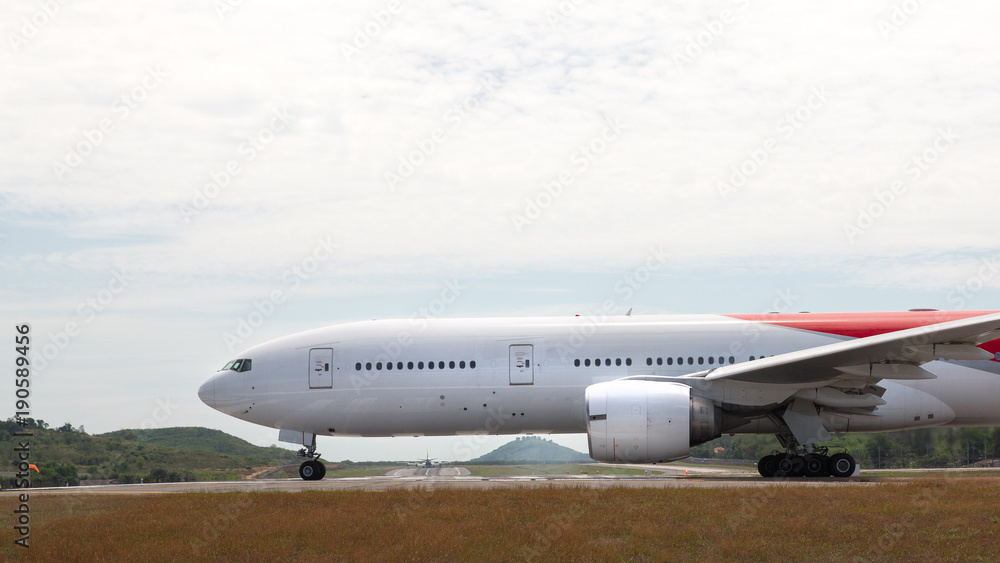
(173, 172)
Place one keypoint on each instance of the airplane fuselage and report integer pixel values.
(529, 375)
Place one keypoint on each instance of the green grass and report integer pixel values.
(219, 475)
(732, 467)
(359, 471)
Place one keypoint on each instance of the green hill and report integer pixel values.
(532, 449)
(198, 438)
(69, 455)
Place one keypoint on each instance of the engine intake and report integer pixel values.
(637, 421)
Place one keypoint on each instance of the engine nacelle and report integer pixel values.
(637, 421)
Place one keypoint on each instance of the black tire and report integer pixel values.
(816, 465)
(784, 466)
(790, 465)
(309, 470)
(798, 466)
(767, 466)
(322, 470)
(842, 465)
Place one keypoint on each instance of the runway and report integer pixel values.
(460, 478)
(429, 472)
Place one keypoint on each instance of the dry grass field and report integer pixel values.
(922, 520)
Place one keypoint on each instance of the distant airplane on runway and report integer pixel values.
(644, 389)
(427, 462)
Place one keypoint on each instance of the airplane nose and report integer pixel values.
(207, 392)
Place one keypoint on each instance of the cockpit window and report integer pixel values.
(238, 365)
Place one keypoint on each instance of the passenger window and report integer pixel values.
(607, 362)
(649, 361)
(670, 361)
(399, 365)
(461, 365)
(388, 365)
(420, 365)
(576, 362)
(659, 361)
(357, 366)
(441, 365)
(368, 366)
(451, 364)
(618, 361)
(430, 365)
(711, 360)
(732, 360)
(586, 362)
(378, 366)
(409, 365)
(628, 361)
(690, 361)
(472, 364)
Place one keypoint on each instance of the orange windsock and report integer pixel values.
(33, 466)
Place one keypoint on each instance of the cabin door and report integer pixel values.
(522, 365)
(321, 368)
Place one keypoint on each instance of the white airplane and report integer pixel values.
(644, 388)
(428, 462)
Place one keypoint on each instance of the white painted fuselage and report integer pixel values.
(529, 375)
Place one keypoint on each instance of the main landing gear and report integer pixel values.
(311, 469)
(812, 464)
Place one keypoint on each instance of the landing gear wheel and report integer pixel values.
(767, 466)
(842, 465)
(791, 465)
(312, 470)
(815, 465)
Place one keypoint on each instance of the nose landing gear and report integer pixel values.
(311, 469)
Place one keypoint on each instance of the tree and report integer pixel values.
(56, 475)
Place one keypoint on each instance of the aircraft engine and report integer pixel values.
(636, 421)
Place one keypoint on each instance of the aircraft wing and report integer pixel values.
(893, 355)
